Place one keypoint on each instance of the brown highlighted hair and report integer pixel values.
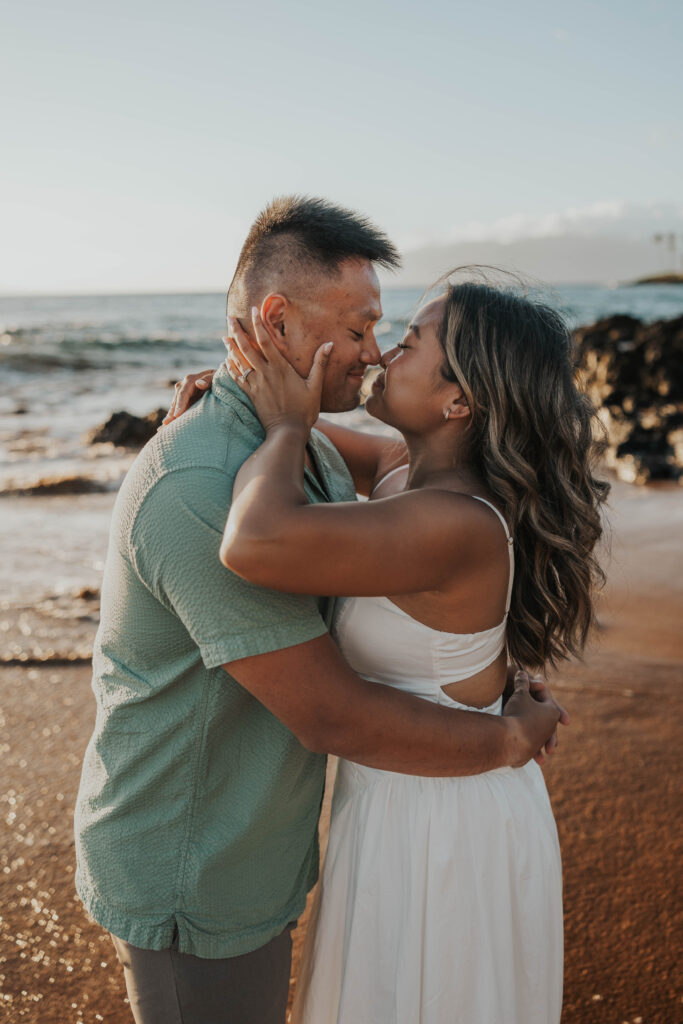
(532, 439)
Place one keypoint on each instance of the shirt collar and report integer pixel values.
(225, 389)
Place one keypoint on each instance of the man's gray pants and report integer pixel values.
(169, 987)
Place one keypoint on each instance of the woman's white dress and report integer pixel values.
(440, 900)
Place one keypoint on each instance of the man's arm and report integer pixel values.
(312, 690)
(277, 647)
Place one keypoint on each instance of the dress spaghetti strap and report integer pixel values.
(511, 552)
(387, 475)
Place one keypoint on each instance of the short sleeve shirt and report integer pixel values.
(197, 808)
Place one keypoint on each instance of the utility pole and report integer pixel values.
(668, 240)
(671, 238)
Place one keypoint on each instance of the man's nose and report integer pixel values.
(370, 353)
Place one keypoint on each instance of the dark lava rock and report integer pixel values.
(126, 430)
(47, 486)
(633, 373)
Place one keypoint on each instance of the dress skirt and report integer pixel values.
(440, 902)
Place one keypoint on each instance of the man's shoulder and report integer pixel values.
(197, 454)
(209, 436)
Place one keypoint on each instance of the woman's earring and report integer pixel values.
(446, 414)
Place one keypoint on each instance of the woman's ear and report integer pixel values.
(274, 309)
(457, 408)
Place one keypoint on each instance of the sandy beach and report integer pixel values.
(615, 782)
(165, 168)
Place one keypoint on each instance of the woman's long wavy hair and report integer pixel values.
(532, 441)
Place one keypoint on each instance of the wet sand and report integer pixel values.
(615, 786)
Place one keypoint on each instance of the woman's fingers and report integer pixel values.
(235, 356)
(237, 374)
(237, 377)
(250, 356)
(244, 351)
(187, 392)
(236, 329)
(320, 361)
(191, 388)
(253, 355)
(540, 692)
(521, 680)
(265, 342)
(171, 411)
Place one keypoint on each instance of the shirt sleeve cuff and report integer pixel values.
(261, 640)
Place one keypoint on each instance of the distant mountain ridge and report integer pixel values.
(606, 243)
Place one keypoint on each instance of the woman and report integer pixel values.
(440, 899)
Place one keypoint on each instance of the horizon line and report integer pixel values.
(180, 292)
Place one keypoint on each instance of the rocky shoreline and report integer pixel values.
(631, 370)
(633, 373)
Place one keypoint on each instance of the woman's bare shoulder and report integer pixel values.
(450, 515)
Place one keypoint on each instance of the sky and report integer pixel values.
(140, 139)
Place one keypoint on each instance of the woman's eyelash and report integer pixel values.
(401, 344)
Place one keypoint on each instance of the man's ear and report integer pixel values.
(274, 310)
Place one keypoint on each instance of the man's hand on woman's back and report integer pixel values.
(534, 710)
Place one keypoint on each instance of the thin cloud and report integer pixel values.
(603, 217)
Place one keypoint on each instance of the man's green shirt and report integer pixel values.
(197, 809)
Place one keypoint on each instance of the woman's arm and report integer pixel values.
(366, 455)
(414, 541)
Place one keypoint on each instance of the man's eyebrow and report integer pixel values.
(371, 314)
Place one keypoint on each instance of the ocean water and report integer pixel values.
(67, 363)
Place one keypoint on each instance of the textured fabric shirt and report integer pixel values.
(197, 808)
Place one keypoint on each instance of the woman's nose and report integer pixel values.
(387, 356)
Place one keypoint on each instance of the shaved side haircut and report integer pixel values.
(295, 241)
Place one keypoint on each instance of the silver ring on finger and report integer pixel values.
(246, 374)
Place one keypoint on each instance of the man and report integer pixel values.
(196, 822)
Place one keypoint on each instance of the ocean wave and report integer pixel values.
(63, 337)
(98, 354)
(35, 361)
